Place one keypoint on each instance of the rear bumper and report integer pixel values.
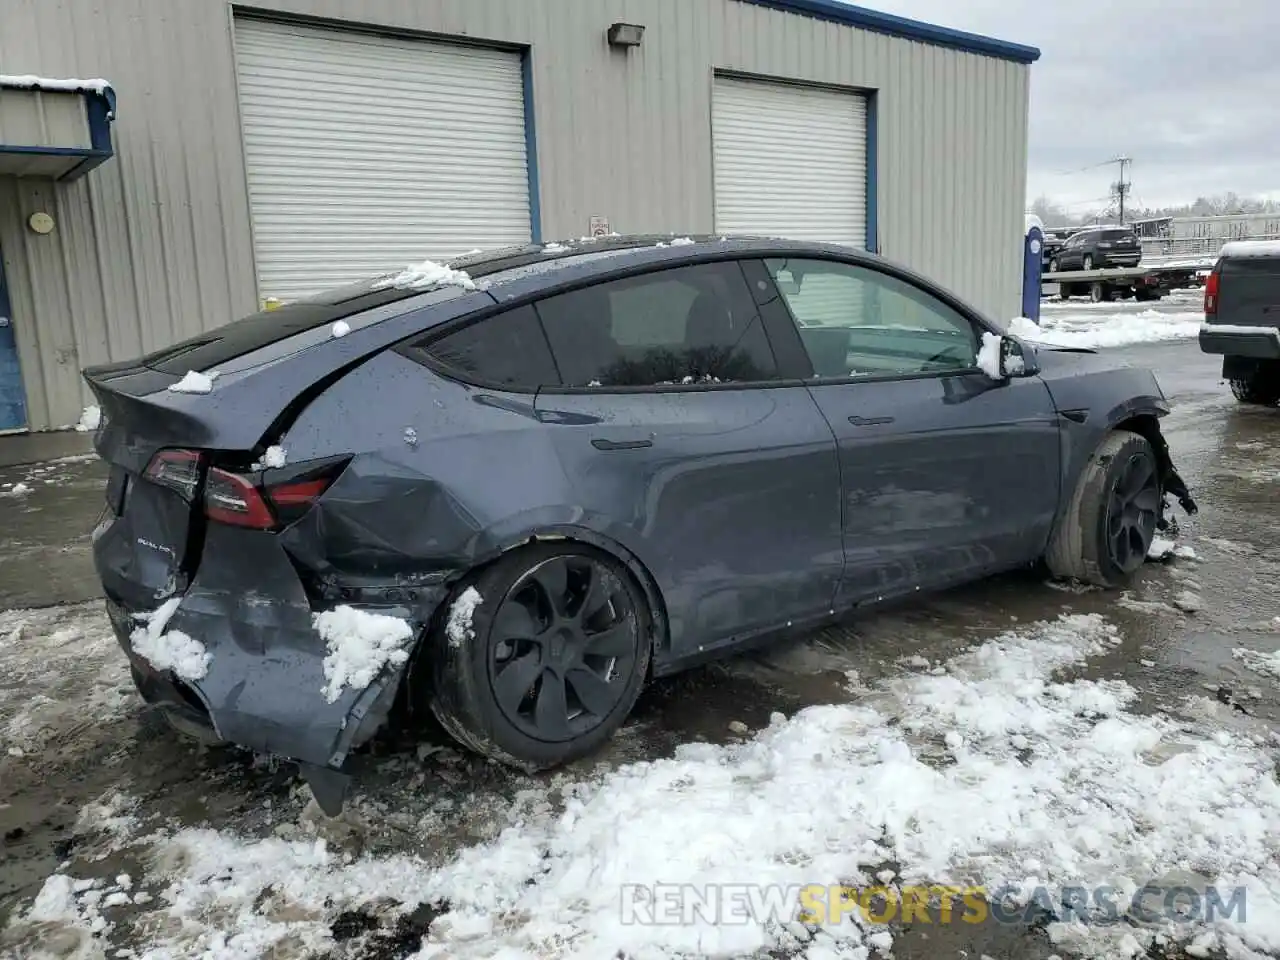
(263, 688)
(1262, 343)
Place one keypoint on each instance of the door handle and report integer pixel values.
(869, 421)
(602, 444)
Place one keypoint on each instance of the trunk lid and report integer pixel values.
(264, 369)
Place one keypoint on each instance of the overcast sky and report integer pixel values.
(1187, 89)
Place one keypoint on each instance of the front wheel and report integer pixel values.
(551, 661)
(1104, 535)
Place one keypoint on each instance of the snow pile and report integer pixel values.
(427, 274)
(360, 644)
(273, 458)
(90, 417)
(174, 650)
(1264, 663)
(195, 382)
(15, 490)
(1110, 324)
(681, 242)
(554, 247)
(1162, 548)
(459, 629)
(340, 329)
(989, 356)
(984, 770)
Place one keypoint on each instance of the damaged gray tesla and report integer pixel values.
(511, 489)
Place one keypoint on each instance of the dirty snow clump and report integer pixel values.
(90, 417)
(340, 329)
(273, 459)
(174, 650)
(427, 274)
(360, 644)
(17, 490)
(989, 356)
(459, 629)
(1267, 664)
(554, 247)
(682, 242)
(195, 382)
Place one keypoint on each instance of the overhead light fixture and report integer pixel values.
(625, 35)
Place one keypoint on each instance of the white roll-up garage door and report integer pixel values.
(790, 161)
(365, 153)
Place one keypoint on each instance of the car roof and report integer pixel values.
(1249, 249)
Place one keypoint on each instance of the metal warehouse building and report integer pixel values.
(244, 153)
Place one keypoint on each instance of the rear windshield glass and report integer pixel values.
(1115, 234)
(235, 339)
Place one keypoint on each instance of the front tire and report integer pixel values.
(1107, 529)
(555, 657)
(1260, 386)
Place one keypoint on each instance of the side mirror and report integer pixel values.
(1018, 358)
(1004, 357)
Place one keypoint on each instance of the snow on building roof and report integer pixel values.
(27, 81)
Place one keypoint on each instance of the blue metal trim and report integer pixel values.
(531, 146)
(887, 23)
(873, 175)
(17, 406)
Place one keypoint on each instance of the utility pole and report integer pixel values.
(1120, 189)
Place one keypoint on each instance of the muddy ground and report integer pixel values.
(72, 732)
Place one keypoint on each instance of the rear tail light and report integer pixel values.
(231, 498)
(1211, 294)
(235, 498)
(178, 470)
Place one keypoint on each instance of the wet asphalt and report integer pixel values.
(1181, 622)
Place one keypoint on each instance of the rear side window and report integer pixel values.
(507, 350)
(687, 325)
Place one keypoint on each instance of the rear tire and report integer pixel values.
(558, 651)
(1099, 292)
(1261, 386)
(1087, 263)
(1104, 535)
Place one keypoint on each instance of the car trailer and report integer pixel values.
(1139, 283)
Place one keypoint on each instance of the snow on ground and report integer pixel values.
(1162, 548)
(458, 628)
(1264, 663)
(195, 382)
(61, 670)
(90, 417)
(1078, 323)
(360, 644)
(172, 649)
(15, 490)
(983, 770)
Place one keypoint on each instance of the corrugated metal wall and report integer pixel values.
(155, 245)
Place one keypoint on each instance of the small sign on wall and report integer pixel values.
(599, 226)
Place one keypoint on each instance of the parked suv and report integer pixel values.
(1242, 318)
(1098, 247)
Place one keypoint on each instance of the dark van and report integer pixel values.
(1242, 318)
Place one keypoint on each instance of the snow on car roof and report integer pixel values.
(1250, 248)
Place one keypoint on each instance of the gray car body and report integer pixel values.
(742, 512)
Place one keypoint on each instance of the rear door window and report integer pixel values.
(688, 325)
(507, 350)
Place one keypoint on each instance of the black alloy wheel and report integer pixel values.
(1133, 512)
(562, 648)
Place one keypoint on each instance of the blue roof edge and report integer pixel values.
(895, 26)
